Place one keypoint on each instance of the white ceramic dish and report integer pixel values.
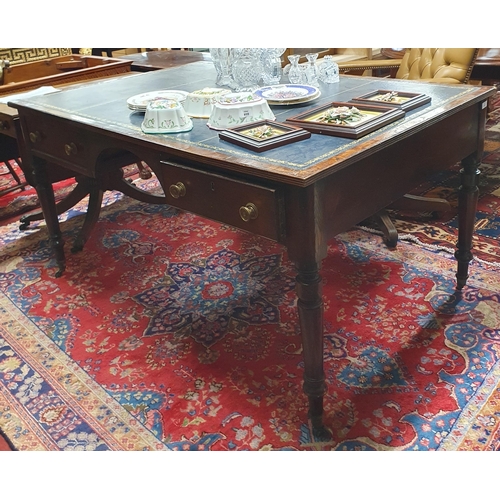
(165, 116)
(199, 104)
(139, 102)
(238, 108)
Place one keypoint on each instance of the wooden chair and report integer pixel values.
(450, 66)
(8, 146)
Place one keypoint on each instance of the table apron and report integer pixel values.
(373, 183)
(338, 201)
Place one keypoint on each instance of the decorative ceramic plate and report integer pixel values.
(139, 102)
(287, 93)
(295, 101)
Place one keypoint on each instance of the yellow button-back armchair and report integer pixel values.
(430, 65)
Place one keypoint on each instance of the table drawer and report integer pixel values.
(59, 143)
(252, 207)
(7, 126)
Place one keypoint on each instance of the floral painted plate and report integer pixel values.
(139, 102)
(287, 94)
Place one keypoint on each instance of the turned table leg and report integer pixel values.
(467, 205)
(310, 308)
(307, 247)
(467, 202)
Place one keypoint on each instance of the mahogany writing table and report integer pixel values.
(300, 195)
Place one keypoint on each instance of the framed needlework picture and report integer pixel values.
(403, 100)
(264, 135)
(346, 119)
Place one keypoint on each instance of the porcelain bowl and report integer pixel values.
(166, 116)
(199, 104)
(238, 108)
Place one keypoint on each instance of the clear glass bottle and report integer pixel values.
(295, 74)
(329, 70)
(312, 69)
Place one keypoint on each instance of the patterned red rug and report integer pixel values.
(169, 331)
(18, 202)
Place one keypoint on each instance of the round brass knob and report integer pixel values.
(35, 136)
(177, 190)
(248, 212)
(70, 149)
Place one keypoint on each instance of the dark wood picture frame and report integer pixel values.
(411, 101)
(284, 134)
(382, 115)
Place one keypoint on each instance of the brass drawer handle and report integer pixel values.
(35, 137)
(4, 125)
(70, 149)
(177, 190)
(249, 212)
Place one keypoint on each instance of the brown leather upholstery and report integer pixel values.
(438, 65)
(432, 65)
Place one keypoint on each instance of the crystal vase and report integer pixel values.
(247, 70)
(271, 62)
